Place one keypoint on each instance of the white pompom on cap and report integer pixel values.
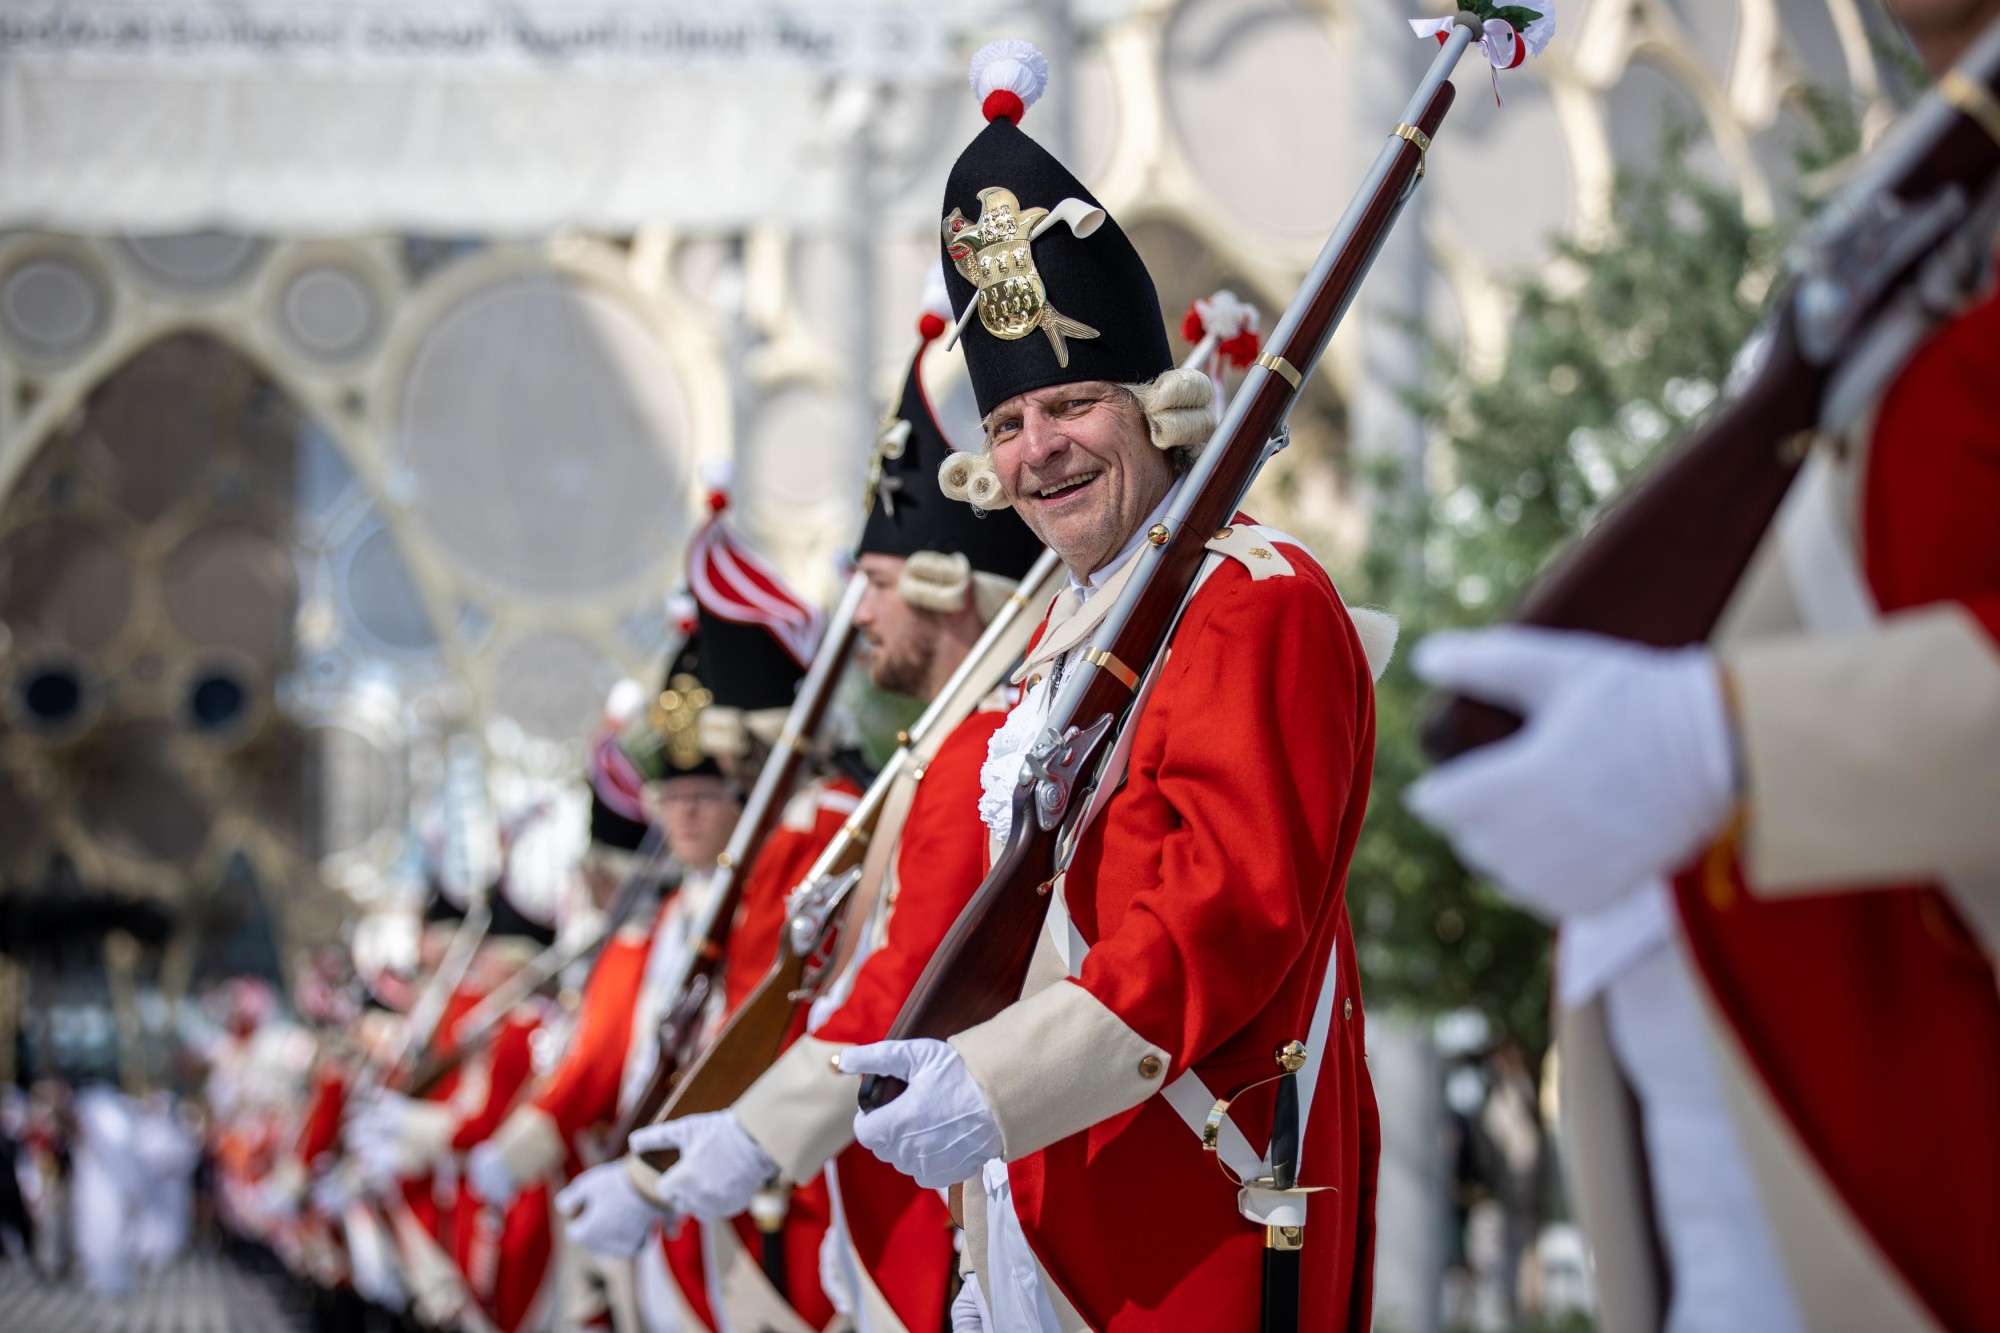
(718, 479)
(1008, 77)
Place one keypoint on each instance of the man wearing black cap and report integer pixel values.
(937, 573)
(1201, 923)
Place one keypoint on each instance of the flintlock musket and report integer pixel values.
(689, 990)
(980, 967)
(1660, 566)
(484, 1020)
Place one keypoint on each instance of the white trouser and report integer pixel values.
(1726, 1272)
(1010, 1279)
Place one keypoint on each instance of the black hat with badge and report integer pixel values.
(907, 512)
(1061, 294)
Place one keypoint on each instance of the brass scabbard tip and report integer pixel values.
(1291, 1057)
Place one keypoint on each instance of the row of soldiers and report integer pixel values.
(1115, 1150)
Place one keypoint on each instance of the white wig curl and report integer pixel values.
(1179, 407)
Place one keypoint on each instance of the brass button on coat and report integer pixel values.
(1150, 1066)
(1347, 1008)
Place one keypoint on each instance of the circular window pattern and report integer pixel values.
(230, 586)
(329, 313)
(65, 583)
(52, 307)
(198, 263)
(136, 800)
(353, 790)
(551, 686)
(382, 598)
(538, 423)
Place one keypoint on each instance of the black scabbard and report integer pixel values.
(1281, 1244)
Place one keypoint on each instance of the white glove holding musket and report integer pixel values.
(720, 1166)
(486, 1170)
(941, 1130)
(1624, 767)
(606, 1213)
(394, 1137)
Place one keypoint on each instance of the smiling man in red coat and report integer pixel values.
(1202, 921)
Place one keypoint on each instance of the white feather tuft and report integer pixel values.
(936, 299)
(1378, 631)
(718, 475)
(1012, 64)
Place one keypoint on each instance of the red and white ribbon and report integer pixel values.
(1499, 42)
(730, 581)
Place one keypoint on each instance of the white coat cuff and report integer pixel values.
(1056, 1063)
(800, 1112)
(530, 1145)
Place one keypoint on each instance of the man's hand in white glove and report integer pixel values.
(1623, 769)
(968, 1308)
(487, 1169)
(940, 1131)
(721, 1166)
(606, 1213)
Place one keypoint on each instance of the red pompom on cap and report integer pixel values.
(1001, 104)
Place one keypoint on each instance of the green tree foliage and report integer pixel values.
(1612, 355)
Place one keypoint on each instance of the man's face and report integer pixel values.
(1081, 470)
(696, 816)
(902, 639)
(1942, 29)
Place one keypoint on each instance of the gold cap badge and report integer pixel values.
(995, 255)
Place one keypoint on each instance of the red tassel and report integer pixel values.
(1191, 326)
(929, 325)
(1241, 350)
(718, 501)
(1003, 105)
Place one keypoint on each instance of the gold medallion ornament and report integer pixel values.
(673, 717)
(995, 255)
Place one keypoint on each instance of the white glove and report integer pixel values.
(396, 1137)
(940, 1131)
(833, 1273)
(721, 1166)
(1623, 771)
(607, 1214)
(332, 1192)
(491, 1179)
(968, 1309)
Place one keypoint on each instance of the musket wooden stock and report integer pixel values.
(755, 1034)
(1661, 565)
(980, 967)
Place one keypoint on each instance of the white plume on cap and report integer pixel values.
(936, 299)
(1012, 64)
(1225, 316)
(718, 475)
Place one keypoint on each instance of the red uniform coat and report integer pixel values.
(810, 823)
(1212, 890)
(1873, 1015)
(504, 1254)
(901, 1233)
